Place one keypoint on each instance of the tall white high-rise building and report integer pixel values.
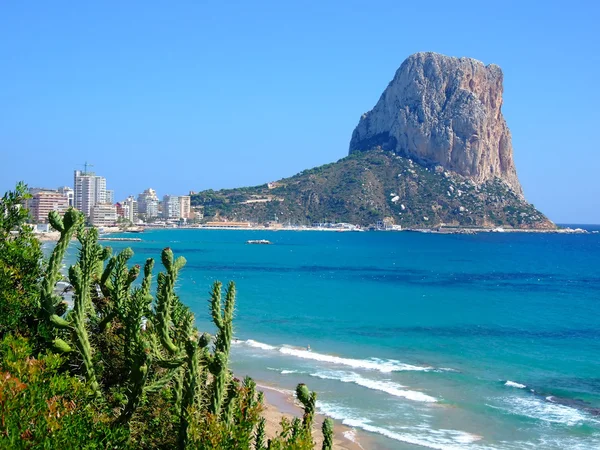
(130, 206)
(151, 208)
(148, 203)
(185, 209)
(110, 196)
(177, 207)
(171, 208)
(100, 188)
(89, 190)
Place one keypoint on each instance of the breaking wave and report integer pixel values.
(514, 384)
(384, 366)
(544, 410)
(436, 439)
(256, 344)
(386, 386)
(381, 365)
(422, 435)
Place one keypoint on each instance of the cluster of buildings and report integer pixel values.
(90, 196)
(43, 201)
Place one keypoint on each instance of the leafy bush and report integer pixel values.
(123, 368)
(20, 265)
(43, 407)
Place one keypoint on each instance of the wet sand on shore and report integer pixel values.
(279, 402)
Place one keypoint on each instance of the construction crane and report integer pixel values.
(85, 167)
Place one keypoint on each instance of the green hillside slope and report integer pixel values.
(367, 187)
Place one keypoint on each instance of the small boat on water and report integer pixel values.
(258, 241)
(118, 239)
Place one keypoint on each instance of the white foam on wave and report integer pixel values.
(572, 443)
(547, 441)
(446, 369)
(423, 436)
(514, 384)
(350, 435)
(386, 386)
(430, 438)
(384, 366)
(261, 345)
(539, 409)
(337, 412)
(381, 365)
(284, 371)
(276, 389)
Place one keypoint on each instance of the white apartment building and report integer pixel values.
(171, 207)
(130, 208)
(151, 208)
(103, 215)
(148, 203)
(110, 196)
(89, 190)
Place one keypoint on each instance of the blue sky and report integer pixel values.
(183, 96)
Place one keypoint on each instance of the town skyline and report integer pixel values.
(89, 195)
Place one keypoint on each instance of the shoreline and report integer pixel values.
(348, 228)
(54, 235)
(281, 403)
(50, 236)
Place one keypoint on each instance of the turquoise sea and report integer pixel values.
(487, 341)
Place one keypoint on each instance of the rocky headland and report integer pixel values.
(435, 150)
(444, 111)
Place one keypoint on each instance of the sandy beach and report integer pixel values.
(279, 402)
(48, 237)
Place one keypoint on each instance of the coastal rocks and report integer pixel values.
(443, 111)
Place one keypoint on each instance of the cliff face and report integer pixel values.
(434, 150)
(446, 111)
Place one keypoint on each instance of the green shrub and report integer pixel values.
(123, 368)
(43, 407)
(20, 265)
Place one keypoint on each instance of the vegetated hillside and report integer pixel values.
(365, 188)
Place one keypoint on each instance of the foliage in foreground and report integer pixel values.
(121, 368)
(20, 268)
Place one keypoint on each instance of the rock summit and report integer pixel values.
(442, 110)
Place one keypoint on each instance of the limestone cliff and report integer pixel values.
(441, 110)
(434, 151)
